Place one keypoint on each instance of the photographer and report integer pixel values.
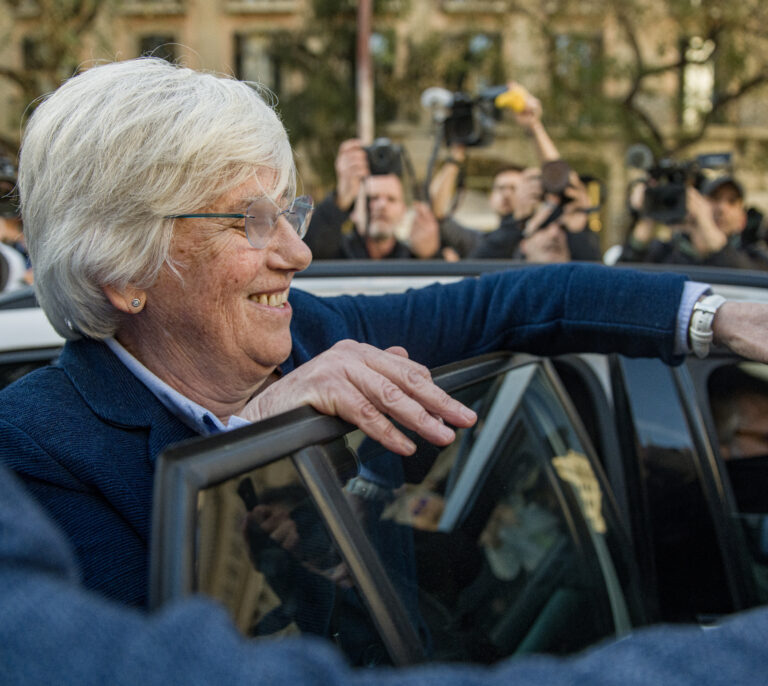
(515, 191)
(527, 198)
(717, 230)
(340, 231)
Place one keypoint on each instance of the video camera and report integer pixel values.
(466, 119)
(470, 121)
(668, 179)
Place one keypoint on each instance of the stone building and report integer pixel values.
(541, 44)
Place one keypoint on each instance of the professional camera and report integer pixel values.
(668, 179)
(466, 119)
(470, 121)
(384, 157)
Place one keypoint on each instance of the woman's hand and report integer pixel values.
(363, 385)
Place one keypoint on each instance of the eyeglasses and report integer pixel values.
(261, 219)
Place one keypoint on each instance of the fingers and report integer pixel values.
(398, 350)
(351, 168)
(277, 524)
(366, 386)
(404, 390)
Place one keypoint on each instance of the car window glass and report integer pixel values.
(671, 501)
(263, 550)
(477, 537)
(498, 544)
(738, 399)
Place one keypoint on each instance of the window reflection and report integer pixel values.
(738, 396)
(481, 540)
(265, 552)
(476, 539)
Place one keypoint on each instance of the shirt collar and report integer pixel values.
(193, 415)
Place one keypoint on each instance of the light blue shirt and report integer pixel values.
(193, 415)
(206, 423)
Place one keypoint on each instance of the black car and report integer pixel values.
(595, 494)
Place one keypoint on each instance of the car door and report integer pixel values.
(733, 396)
(690, 549)
(506, 542)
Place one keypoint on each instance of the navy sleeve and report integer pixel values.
(546, 310)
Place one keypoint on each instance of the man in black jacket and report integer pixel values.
(340, 230)
(718, 230)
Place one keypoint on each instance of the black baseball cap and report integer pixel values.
(712, 185)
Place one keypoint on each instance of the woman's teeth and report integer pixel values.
(271, 300)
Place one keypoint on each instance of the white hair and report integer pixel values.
(113, 151)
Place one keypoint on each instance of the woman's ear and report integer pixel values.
(129, 300)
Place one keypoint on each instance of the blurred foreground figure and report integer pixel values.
(54, 632)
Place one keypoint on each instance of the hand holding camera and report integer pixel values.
(705, 235)
(351, 168)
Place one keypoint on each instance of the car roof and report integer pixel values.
(23, 326)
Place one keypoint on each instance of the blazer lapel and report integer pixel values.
(115, 395)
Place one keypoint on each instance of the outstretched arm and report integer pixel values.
(530, 119)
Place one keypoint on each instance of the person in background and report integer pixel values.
(15, 268)
(718, 230)
(339, 230)
(545, 237)
(515, 193)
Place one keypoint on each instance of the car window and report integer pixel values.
(738, 402)
(675, 506)
(502, 543)
(266, 553)
(479, 538)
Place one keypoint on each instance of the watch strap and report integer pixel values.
(700, 327)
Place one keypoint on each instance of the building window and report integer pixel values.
(158, 45)
(698, 81)
(254, 60)
(476, 62)
(576, 73)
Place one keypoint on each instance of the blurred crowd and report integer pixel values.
(15, 269)
(543, 214)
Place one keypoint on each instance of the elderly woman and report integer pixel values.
(159, 209)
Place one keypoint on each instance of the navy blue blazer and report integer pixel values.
(84, 433)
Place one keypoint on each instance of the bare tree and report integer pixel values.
(52, 35)
(659, 42)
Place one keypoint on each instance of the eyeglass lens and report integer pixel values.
(261, 219)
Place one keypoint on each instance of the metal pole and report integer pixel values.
(364, 72)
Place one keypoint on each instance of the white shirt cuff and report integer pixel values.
(692, 291)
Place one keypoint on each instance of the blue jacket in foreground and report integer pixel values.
(54, 632)
(84, 434)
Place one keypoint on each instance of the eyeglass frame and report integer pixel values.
(304, 201)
